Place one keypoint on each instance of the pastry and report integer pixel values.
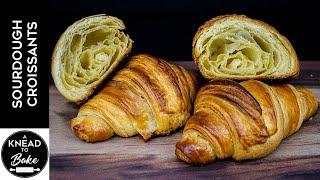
(244, 120)
(239, 48)
(86, 53)
(149, 97)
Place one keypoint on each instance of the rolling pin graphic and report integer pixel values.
(24, 169)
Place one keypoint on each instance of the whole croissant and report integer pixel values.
(148, 97)
(243, 121)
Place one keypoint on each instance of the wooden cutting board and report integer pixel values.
(297, 156)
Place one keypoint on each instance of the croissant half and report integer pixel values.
(243, 121)
(86, 53)
(148, 97)
(237, 47)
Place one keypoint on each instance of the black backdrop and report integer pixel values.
(165, 28)
(162, 28)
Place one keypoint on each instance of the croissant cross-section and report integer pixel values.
(86, 53)
(237, 47)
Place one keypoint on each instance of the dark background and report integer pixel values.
(162, 28)
(165, 28)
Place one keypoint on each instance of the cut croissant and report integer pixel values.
(240, 48)
(148, 97)
(86, 53)
(242, 121)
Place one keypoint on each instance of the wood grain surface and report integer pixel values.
(297, 156)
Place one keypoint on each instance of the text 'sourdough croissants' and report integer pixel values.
(148, 97)
(240, 48)
(86, 53)
(243, 121)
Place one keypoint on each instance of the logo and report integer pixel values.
(24, 154)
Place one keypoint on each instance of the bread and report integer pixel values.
(239, 48)
(86, 53)
(149, 97)
(242, 121)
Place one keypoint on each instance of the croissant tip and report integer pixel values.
(145, 138)
(76, 128)
(78, 131)
(180, 155)
(194, 152)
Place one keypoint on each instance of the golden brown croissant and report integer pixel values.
(238, 47)
(148, 97)
(242, 121)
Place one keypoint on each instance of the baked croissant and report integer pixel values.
(86, 53)
(242, 121)
(240, 48)
(149, 97)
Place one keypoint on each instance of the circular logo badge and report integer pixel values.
(24, 154)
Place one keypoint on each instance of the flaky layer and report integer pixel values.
(86, 53)
(237, 47)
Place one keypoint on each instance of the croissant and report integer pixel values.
(237, 47)
(242, 121)
(149, 97)
(86, 53)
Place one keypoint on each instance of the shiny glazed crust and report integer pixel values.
(149, 97)
(244, 120)
(237, 47)
(86, 53)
